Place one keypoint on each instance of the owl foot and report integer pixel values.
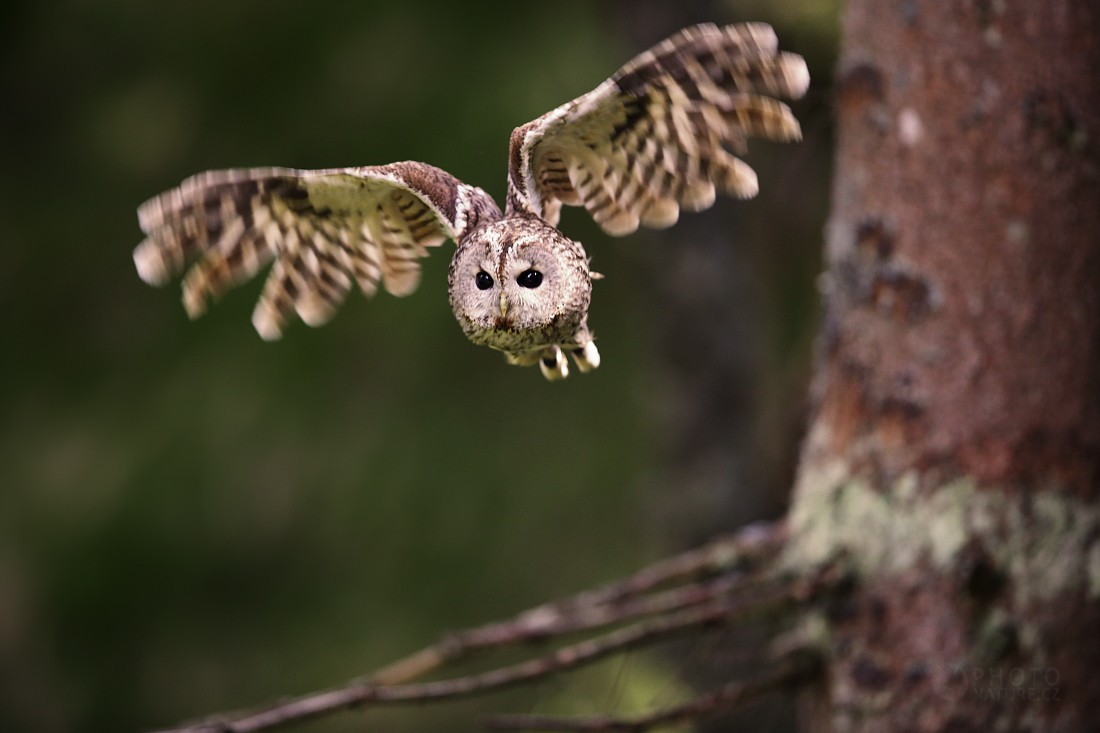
(587, 357)
(553, 364)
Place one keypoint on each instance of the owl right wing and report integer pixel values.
(658, 134)
(324, 230)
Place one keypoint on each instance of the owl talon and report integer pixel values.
(554, 366)
(587, 357)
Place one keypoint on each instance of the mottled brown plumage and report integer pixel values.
(654, 138)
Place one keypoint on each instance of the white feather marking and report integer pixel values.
(698, 195)
(660, 213)
(313, 309)
(266, 322)
(462, 206)
(797, 74)
(150, 263)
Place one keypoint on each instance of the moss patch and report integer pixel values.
(1044, 542)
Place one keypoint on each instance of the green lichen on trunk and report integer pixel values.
(1042, 541)
(961, 594)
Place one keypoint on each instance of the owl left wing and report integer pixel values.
(658, 134)
(324, 229)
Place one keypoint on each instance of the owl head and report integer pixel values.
(518, 284)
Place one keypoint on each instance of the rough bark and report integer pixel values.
(954, 453)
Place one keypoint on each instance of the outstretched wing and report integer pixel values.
(324, 229)
(658, 134)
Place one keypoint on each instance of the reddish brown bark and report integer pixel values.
(961, 360)
(963, 325)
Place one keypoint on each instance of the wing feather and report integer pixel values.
(325, 230)
(660, 134)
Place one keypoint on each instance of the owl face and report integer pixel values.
(519, 285)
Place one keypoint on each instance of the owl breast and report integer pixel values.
(519, 285)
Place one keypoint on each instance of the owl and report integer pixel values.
(658, 136)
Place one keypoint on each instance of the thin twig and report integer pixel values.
(615, 602)
(795, 670)
(564, 658)
(737, 581)
(535, 626)
(723, 553)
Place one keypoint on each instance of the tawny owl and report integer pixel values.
(655, 137)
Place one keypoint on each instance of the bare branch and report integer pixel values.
(796, 669)
(743, 548)
(612, 603)
(738, 582)
(360, 694)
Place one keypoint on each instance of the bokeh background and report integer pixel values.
(194, 520)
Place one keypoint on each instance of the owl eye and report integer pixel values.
(483, 280)
(529, 279)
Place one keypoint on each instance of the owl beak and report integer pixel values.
(503, 306)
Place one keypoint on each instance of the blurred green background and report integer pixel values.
(192, 519)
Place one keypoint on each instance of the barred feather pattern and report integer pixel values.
(661, 135)
(323, 229)
(662, 132)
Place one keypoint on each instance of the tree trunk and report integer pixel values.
(954, 452)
